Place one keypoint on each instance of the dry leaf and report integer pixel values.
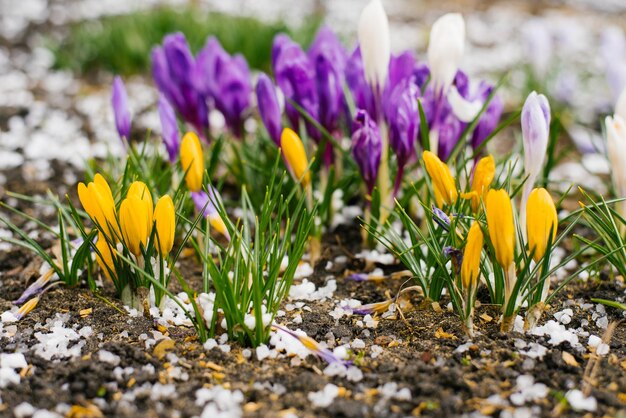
(569, 359)
(163, 347)
(440, 333)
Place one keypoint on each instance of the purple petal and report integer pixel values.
(119, 100)
(169, 128)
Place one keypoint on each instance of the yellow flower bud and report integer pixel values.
(140, 190)
(541, 222)
(441, 179)
(105, 259)
(470, 268)
(97, 200)
(293, 150)
(192, 161)
(501, 225)
(165, 223)
(136, 223)
(484, 173)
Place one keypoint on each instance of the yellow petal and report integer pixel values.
(470, 268)
(441, 178)
(165, 223)
(541, 222)
(500, 223)
(192, 161)
(134, 221)
(105, 259)
(140, 190)
(483, 177)
(295, 155)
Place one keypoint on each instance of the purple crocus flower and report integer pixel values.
(401, 67)
(361, 91)
(226, 80)
(206, 204)
(366, 147)
(296, 78)
(169, 128)
(421, 72)
(119, 100)
(269, 108)
(329, 59)
(403, 120)
(173, 69)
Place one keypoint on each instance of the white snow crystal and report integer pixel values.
(324, 397)
(579, 402)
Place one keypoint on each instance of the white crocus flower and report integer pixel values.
(535, 133)
(374, 43)
(445, 49)
(620, 107)
(616, 146)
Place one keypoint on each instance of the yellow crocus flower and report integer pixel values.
(165, 224)
(470, 268)
(105, 259)
(192, 161)
(541, 222)
(295, 155)
(501, 226)
(441, 179)
(136, 223)
(484, 173)
(140, 190)
(97, 200)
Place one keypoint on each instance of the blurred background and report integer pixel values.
(58, 57)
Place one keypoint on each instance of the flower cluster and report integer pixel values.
(137, 231)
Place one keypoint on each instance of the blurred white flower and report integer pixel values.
(616, 149)
(374, 43)
(445, 49)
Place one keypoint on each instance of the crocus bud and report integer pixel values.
(207, 206)
(119, 100)
(366, 147)
(97, 200)
(441, 178)
(361, 92)
(470, 268)
(620, 107)
(165, 224)
(535, 132)
(136, 223)
(295, 155)
(269, 107)
(616, 143)
(542, 222)
(375, 44)
(192, 161)
(501, 226)
(445, 49)
(403, 118)
(484, 173)
(141, 191)
(105, 258)
(169, 128)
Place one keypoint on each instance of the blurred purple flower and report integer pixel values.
(169, 128)
(401, 67)
(329, 58)
(173, 69)
(491, 116)
(361, 91)
(226, 80)
(422, 74)
(366, 147)
(403, 119)
(119, 101)
(269, 108)
(296, 78)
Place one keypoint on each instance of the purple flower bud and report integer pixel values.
(206, 204)
(361, 91)
(403, 118)
(269, 108)
(441, 218)
(169, 128)
(366, 147)
(119, 100)
(296, 78)
(401, 67)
